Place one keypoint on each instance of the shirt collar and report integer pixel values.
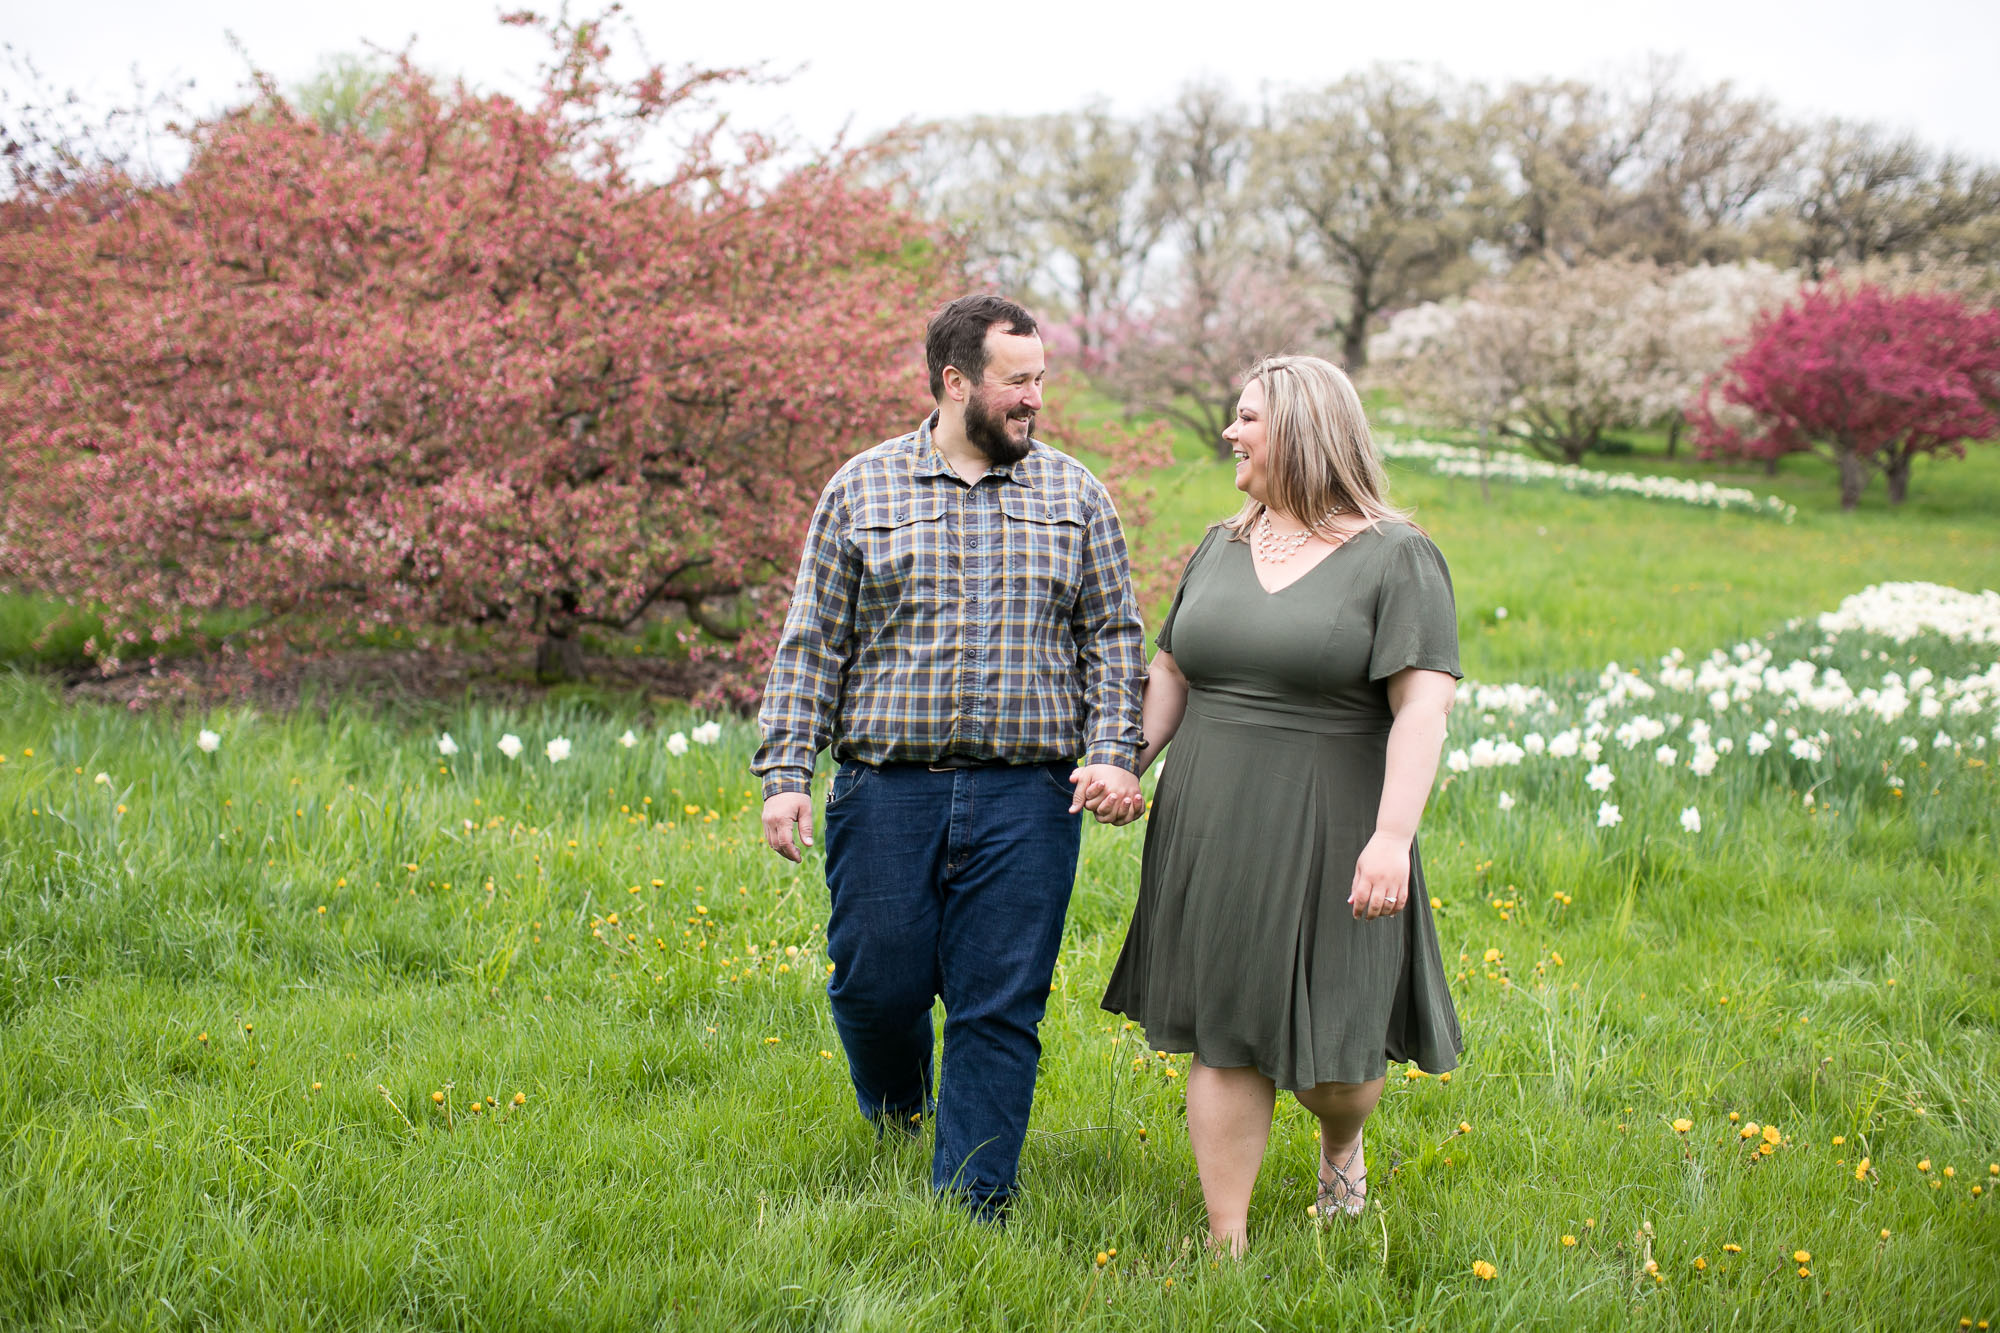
(927, 460)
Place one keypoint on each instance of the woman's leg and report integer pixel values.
(1229, 1122)
(1342, 1109)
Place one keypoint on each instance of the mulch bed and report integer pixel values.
(392, 679)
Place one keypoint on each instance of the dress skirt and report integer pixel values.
(1243, 948)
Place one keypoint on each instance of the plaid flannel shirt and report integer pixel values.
(932, 619)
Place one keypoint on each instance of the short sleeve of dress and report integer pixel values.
(1416, 619)
(1165, 638)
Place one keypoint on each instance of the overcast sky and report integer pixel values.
(1923, 65)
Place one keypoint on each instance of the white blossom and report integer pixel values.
(447, 746)
(628, 740)
(1607, 815)
(1756, 743)
(677, 744)
(1667, 755)
(1704, 761)
(510, 745)
(207, 741)
(557, 749)
(1600, 778)
(708, 733)
(1506, 801)
(1691, 820)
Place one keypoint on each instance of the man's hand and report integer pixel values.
(783, 812)
(1109, 792)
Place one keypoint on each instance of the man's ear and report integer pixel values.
(957, 387)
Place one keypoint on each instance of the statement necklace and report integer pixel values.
(1274, 548)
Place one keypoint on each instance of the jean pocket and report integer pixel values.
(847, 779)
(1057, 776)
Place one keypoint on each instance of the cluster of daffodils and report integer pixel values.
(1754, 709)
(559, 748)
(1451, 460)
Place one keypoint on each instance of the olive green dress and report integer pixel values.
(1242, 947)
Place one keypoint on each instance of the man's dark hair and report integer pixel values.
(956, 335)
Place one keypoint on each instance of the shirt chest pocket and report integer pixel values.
(1045, 540)
(900, 541)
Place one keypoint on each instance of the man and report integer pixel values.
(962, 631)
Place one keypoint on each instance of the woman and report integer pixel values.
(1282, 932)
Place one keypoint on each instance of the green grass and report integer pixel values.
(1828, 971)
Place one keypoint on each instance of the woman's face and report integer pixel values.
(1246, 437)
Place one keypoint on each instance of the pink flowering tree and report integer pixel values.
(1864, 377)
(466, 366)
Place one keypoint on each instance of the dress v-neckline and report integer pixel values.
(1257, 573)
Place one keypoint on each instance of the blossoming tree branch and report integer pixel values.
(463, 364)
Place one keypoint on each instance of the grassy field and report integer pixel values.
(327, 1030)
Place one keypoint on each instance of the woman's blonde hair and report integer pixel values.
(1318, 453)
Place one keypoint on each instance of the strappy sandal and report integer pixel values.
(1342, 1194)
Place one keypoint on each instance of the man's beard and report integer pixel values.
(988, 432)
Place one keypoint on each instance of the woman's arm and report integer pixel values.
(1162, 707)
(1160, 711)
(1419, 700)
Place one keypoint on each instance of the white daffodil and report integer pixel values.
(708, 733)
(1458, 761)
(1607, 815)
(510, 745)
(102, 779)
(557, 749)
(1600, 778)
(447, 746)
(1691, 820)
(208, 742)
(1756, 743)
(1704, 761)
(1499, 613)
(677, 744)
(628, 740)
(1506, 801)
(1667, 755)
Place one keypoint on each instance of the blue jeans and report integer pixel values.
(950, 884)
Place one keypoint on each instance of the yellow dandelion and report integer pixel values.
(1771, 1134)
(1484, 1271)
(1804, 1271)
(1492, 956)
(1801, 1256)
(1885, 1233)
(1464, 1128)
(1569, 1241)
(1683, 1125)
(437, 1099)
(1839, 1140)
(1102, 1258)
(1861, 1169)
(1733, 1117)
(1949, 1173)
(520, 1098)
(203, 1039)
(1700, 1264)
(1446, 1078)
(317, 1086)
(1749, 1131)
(1732, 1249)
(770, 1041)
(1924, 1165)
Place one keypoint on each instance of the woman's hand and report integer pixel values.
(1381, 877)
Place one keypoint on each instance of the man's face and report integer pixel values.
(1000, 408)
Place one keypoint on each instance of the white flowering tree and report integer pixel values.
(1557, 356)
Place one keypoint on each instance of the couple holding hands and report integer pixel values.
(963, 628)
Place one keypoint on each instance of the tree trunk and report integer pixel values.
(1674, 435)
(559, 659)
(1354, 344)
(1770, 465)
(1897, 472)
(1853, 478)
